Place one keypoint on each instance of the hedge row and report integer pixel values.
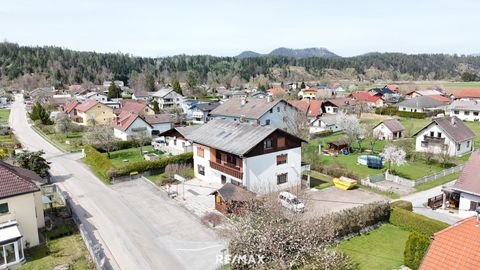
(402, 204)
(149, 165)
(415, 248)
(120, 145)
(323, 133)
(411, 221)
(416, 115)
(99, 162)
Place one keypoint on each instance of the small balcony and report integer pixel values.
(228, 169)
(432, 139)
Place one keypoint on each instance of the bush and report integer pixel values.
(120, 145)
(415, 248)
(389, 110)
(142, 166)
(411, 221)
(335, 170)
(402, 204)
(99, 162)
(416, 115)
(323, 133)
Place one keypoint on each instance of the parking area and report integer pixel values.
(332, 199)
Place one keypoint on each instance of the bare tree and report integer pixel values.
(371, 136)
(63, 123)
(444, 156)
(102, 137)
(429, 154)
(140, 139)
(350, 125)
(297, 124)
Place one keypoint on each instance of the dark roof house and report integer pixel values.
(421, 102)
(453, 127)
(17, 181)
(469, 180)
(393, 125)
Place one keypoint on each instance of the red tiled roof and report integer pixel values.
(341, 102)
(455, 248)
(126, 119)
(87, 105)
(312, 107)
(365, 96)
(440, 98)
(134, 106)
(70, 106)
(469, 180)
(310, 89)
(276, 91)
(15, 181)
(468, 93)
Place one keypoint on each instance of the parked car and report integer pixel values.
(290, 201)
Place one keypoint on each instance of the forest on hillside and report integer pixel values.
(30, 67)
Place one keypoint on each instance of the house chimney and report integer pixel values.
(269, 98)
(452, 120)
(243, 101)
(242, 118)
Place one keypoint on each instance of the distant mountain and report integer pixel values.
(294, 53)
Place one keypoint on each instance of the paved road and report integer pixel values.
(138, 227)
(420, 198)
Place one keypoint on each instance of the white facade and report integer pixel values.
(466, 199)
(97, 96)
(174, 146)
(161, 127)
(465, 115)
(409, 109)
(169, 100)
(437, 141)
(259, 172)
(139, 126)
(382, 132)
(331, 109)
(199, 116)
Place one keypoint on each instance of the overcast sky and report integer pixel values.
(227, 27)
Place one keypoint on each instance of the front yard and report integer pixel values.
(4, 115)
(130, 155)
(379, 249)
(68, 142)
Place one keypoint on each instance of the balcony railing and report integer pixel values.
(228, 169)
(433, 139)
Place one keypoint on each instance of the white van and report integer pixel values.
(290, 201)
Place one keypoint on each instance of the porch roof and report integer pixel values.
(9, 234)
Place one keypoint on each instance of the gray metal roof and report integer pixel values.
(206, 107)
(231, 137)
(254, 108)
(465, 105)
(421, 102)
(188, 130)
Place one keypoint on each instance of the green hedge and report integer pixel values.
(120, 145)
(415, 248)
(416, 115)
(403, 205)
(389, 110)
(99, 163)
(149, 165)
(323, 133)
(411, 221)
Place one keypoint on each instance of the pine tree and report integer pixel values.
(155, 107)
(113, 91)
(176, 87)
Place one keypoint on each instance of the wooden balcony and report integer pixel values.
(433, 139)
(228, 169)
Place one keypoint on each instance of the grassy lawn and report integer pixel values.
(65, 250)
(380, 249)
(131, 154)
(75, 140)
(158, 178)
(319, 180)
(438, 182)
(4, 114)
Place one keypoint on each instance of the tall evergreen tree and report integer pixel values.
(176, 87)
(114, 91)
(34, 161)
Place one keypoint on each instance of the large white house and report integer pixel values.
(257, 111)
(466, 110)
(167, 98)
(174, 141)
(263, 159)
(21, 213)
(446, 134)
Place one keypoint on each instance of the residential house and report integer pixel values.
(421, 93)
(312, 109)
(167, 98)
(323, 94)
(381, 91)
(261, 158)
(468, 184)
(444, 99)
(21, 213)
(201, 112)
(454, 248)
(277, 92)
(268, 111)
(100, 97)
(325, 122)
(92, 112)
(159, 122)
(139, 107)
(389, 129)
(420, 104)
(335, 105)
(70, 109)
(259, 94)
(466, 110)
(308, 93)
(130, 125)
(229, 94)
(372, 101)
(392, 87)
(468, 94)
(142, 95)
(175, 140)
(445, 135)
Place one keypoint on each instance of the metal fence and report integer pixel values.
(94, 248)
(413, 183)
